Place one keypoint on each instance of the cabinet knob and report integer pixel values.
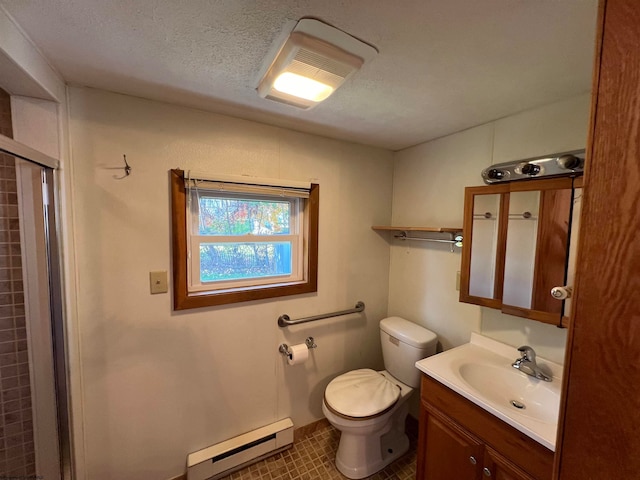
(473, 460)
(486, 471)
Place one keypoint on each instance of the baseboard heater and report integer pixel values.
(238, 452)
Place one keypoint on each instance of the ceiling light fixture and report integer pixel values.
(313, 62)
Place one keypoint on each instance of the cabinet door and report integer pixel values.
(540, 221)
(483, 249)
(497, 467)
(449, 451)
(517, 246)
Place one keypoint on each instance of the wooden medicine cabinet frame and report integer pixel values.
(470, 194)
(553, 214)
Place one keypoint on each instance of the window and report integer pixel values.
(243, 240)
(234, 241)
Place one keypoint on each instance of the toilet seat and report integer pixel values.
(361, 394)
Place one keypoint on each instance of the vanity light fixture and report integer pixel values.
(314, 61)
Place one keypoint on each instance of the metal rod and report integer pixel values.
(521, 216)
(486, 215)
(489, 216)
(438, 240)
(284, 348)
(285, 321)
(456, 241)
(17, 149)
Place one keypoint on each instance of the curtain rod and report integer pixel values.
(247, 180)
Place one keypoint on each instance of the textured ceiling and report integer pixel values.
(443, 66)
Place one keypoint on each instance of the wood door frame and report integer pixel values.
(597, 436)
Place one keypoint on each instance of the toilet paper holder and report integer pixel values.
(284, 348)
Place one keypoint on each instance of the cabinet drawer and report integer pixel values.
(523, 451)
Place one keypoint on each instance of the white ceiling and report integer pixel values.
(443, 65)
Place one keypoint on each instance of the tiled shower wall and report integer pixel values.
(17, 455)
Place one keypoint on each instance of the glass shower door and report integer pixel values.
(30, 322)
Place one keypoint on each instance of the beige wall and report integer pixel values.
(159, 384)
(428, 190)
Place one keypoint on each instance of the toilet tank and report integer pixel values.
(403, 344)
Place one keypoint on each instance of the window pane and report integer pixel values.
(237, 216)
(232, 261)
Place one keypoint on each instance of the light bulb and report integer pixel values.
(302, 87)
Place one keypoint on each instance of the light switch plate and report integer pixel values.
(158, 282)
(458, 281)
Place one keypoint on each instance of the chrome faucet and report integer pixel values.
(527, 364)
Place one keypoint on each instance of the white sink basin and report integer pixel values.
(481, 371)
(502, 386)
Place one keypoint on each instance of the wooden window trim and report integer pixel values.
(183, 300)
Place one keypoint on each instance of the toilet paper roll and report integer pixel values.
(299, 354)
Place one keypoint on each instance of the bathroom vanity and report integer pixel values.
(481, 418)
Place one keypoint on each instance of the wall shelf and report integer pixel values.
(403, 233)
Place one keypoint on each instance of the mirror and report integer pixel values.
(517, 247)
(486, 212)
(520, 258)
(481, 278)
(537, 248)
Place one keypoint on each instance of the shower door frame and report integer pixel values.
(56, 293)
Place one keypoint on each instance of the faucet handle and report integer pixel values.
(527, 353)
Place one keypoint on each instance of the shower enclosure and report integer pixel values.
(34, 423)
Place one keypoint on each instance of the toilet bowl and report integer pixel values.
(370, 442)
(369, 408)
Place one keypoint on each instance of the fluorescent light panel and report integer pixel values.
(303, 87)
(314, 61)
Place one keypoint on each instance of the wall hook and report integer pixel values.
(127, 169)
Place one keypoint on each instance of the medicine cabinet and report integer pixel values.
(519, 244)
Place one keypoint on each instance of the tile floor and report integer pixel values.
(312, 458)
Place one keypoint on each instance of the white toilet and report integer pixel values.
(369, 408)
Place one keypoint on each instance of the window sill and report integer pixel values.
(246, 294)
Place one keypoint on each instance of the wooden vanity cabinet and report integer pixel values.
(459, 440)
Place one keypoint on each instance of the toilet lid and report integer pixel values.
(361, 393)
